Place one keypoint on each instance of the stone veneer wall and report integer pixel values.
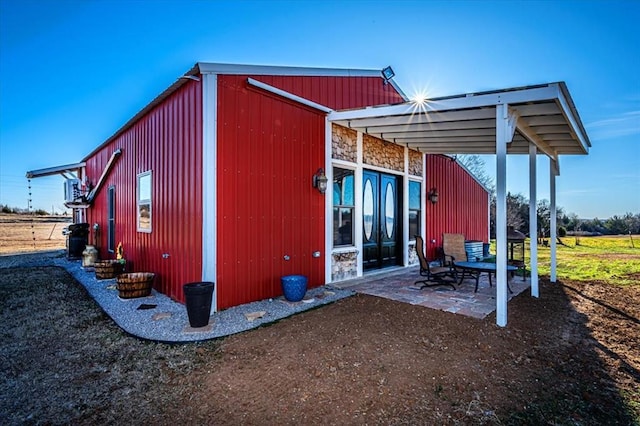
(344, 266)
(344, 144)
(413, 256)
(377, 152)
(415, 163)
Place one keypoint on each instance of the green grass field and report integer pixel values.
(610, 259)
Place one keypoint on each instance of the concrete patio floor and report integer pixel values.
(398, 284)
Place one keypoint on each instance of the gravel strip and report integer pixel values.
(173, 323)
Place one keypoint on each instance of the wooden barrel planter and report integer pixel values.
(134, 284)
(107, 269)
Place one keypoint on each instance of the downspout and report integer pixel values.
(103, 176)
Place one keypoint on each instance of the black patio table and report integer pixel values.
(474, 269)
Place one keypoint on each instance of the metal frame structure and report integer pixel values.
(526, 120)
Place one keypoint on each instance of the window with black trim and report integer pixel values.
(143, 202)
(415, 203)
(111, 219)
(343, 205)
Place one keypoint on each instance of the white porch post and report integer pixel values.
(533, 221)
(423, 200)
(501, 213)
(553, 172)
(357, 212)
(209, 182)
(328, 202)
(405, 209)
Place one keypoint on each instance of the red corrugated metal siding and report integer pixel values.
(462, 206)
(268, 150)
(336, 92)
(167, 141)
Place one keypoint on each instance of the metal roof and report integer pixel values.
(466, 124)
(241, 69)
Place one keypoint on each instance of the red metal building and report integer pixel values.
(462, 207)
(213, 181)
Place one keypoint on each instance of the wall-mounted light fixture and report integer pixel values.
(433, 195)
(320, 181)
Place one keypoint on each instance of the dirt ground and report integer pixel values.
(570, 357)
(27, 233)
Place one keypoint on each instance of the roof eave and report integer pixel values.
(50, 171)
(242, 69)
(472, 107)
(572, 116)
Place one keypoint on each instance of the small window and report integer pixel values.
(144, 202)
(415, 209)
(111, 219)
(343, 205)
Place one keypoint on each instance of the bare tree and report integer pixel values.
(476, 166)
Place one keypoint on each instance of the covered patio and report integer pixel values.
(532, 120)
(398, 285)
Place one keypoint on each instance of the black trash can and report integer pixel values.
(78, 236)
(198, 299)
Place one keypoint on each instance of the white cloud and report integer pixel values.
(624, 125)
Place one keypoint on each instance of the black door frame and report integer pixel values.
(379, 249)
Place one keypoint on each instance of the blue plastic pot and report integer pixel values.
(294, 287)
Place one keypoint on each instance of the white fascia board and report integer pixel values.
(288, 95)
(445, 104)
(67, 168)
(239, 69)
(573, 122)
(399, 90)
(375, 112)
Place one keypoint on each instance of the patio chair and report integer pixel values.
(453, 249)
(434, 275)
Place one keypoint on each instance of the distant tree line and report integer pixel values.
(16, 210)
(567, 224)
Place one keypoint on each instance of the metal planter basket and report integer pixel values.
(107, 269)
(134, 284)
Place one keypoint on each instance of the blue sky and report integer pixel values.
(73, 72)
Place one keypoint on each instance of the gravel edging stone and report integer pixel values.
(168, 321)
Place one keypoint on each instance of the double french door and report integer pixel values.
(381, 231)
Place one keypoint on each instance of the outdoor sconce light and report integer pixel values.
(320, 181)
(387, 74)
(433, 195)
